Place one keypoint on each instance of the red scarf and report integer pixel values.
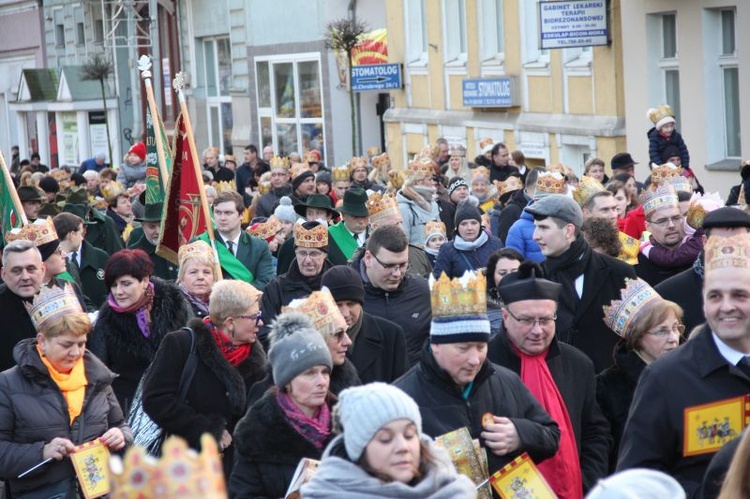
(234, 354)
(563, 470)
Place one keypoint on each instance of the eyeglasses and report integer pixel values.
(278, 174)
(530, 322)
(255, 317)
(665, 221)
(664, 332)
(301, 255)
(392, 267)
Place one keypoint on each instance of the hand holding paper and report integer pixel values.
(113, 438)
(58, 448)
(501, 437)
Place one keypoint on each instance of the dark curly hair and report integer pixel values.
(509, 253)
(602, 235)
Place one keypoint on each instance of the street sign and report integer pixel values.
(490, 92)
(376, 77)
(573, 23)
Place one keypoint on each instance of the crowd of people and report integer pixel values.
(360, 311)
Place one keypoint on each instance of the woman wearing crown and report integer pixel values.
(58, 396)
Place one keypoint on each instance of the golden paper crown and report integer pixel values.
(663, 173)
(357, 162)
(198, 249)
(340, 173)
(373, 151)
(433, 227)
(317, 237)
(487, 141)
(457, 150)
(266, 230)
(465, 295)
(380, 206)
(225, 185)
(322, 309)
(298, 169)
(556, 167)
(680, 184)
(732, 251)
(279, 162)
(181, 472)
(586, 189)
(656, 114)
(264, 187)
(396, 179)
(621, 315)
(551, 182)
(52, 302)
(39, 232)
(381, 160)
(480, 171)
(700, 206)
(510, 184)
(661, 197)
(421, 167)
(112, 190)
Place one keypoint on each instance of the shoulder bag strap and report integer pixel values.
(188, 370)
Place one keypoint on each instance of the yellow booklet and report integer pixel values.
(521, 478)
(709, 426)
(468, 457)
(91, 462)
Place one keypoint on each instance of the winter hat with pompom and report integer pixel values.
(296, 346)
(285, 211)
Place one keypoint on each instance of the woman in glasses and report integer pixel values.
(649, 326)
(229, 361)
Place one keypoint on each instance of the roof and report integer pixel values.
(73, 87)
(38, 85)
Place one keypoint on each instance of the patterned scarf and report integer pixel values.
(142, 309)
(314, 429)
(72, 385)
(194, 300)
(234, 354)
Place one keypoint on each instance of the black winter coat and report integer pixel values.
(615, 387)
(268, 450)
(685, 289)
(718, 467)
(379, 351)
(653, 436)
(17, 325)
(216, 399)
(655, 274)
(33, 412)
(270, 200)
(573, 373)
(119, 343)
(511, 213)
(497, 390)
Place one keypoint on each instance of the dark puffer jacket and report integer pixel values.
(119, 343)
(268, 451)
(33, 412)
(454, 262)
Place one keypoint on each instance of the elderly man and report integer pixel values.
(97, 163)
(561, 378)
(456, 386)
(318, 207)
(379, 346)
(713, 367)
(590, 280)
(268, 153)
(351, 232)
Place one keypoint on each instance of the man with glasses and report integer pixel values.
(559, 376)
(280, 187)
(589, 280)
(303, 276)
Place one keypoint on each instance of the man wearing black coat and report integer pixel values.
(515, 205)
(590, 280)
(712, 367)
(529, 308)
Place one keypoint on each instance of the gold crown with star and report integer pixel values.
(198, 249)
(621, 315)
(298, 169)
(266, 230)
(39, 232)
(586, 189)
(661, 197)
(181, 472)
(551, 182)
(508, 185)
(379, 206)
(315, 238)
(279, 162)
(381, 160)
(460, 296)
(661, 174)
(51, 303)
(340, 173)
(321, 308)
(732, 251)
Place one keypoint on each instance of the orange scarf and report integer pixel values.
(72, 385)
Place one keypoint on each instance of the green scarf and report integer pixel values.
(346, 242)
(229, 262)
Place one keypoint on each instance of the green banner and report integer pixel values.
(155, 187)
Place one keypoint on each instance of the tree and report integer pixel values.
(343, 34)
(99, 68)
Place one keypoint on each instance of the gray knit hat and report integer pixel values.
(285, 211)
(295, 347)
(638, 483)
(363, 410)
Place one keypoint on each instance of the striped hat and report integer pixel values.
(459, 309)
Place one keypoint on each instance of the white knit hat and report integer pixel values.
(637, 483)
(285, 211)
(363, 410)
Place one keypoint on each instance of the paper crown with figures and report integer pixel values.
(266, 230)
(550, 183)
(508, 185)
(181, 472)
(480, 172)
(434, 227)
(51, 303)
(661, 174)
(380, 206)
(459, 308)
(321, 308)
(315, 238)
(373, 151)
(621, 315)
(586, 189)
(340, 173)
(298, 169)
(487, 141)
(733, 251)
(655, 199)
(39, 232)
(279, 162)
(381, 160)
(198, 249)
(681, 184)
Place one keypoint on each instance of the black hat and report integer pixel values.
(455, 183)
(322, 201)
(151, 213)
(467, 210)
(354, 203)
(726, 217)
(297, 181)
(525, 285)
(323, 176)
(745, 172)
(48, 249)
(670, 152)
(29, 193)
(49, 184)
(78, 179)
(622, 160)
(344, 283)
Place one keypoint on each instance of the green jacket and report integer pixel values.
(91, 273)
(162, 267)
(102, 233)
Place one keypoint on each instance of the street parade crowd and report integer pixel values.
(373, 318)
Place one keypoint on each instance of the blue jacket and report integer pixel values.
(521, 238)
(657, 143)
(455, 262)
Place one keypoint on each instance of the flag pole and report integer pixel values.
(178, 84)
(144, 65)
(12, 189)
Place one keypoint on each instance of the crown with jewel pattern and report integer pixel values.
(457, 150)
(381, 160)
(51, 303)
(434, 227)
(661, 174)
(508, 185)
(459, 308)
(380, 206)
(357, 162)
(732, 251)
(316, 238)
(322, 309)
(550, 183)
(700, 206)
(112, 190)
(181, 472)
(680, 184)
(654, 199)
(421, 166)
(279, 162)
(340, 173)
(198, 249)
(40, 231)
(298, 169)
(586, 189)
(266, 230)
(621, 315)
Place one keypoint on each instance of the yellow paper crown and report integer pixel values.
(52, 302)
(487, 141)
(181, 472)
(654, 199)
(656, 114)
(680, 184)
(340, 173)
(661, 174)
(432, 152)
(298, 169)
(39, 232)
(700, 206)
(112, 190)
(480, 171)
(461, 296)
(322, 309)
(421, 167)
(317, 237)
(381, 160)
(197, 249)
(510, 184)
(433, 227)
(380, 206)
(732, 251)
(266, 230)
(279, 162)
(225, 185)
(621, 315)
(457, 150)
(396, 179)
(586, 189)
(551, 183)
(357, 162)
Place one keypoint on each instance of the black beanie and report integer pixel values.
(467, 210)
(455, 183)
(344, 283)
(670, 152)
(301, 178)
(49, 184)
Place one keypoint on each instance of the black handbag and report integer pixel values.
(146, 433)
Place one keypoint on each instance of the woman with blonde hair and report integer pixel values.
(416, 200)
(196, 275)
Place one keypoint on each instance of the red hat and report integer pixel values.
(139, 149)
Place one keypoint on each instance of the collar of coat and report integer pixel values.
(436, 374)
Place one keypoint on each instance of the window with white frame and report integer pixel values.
(415, 24)
(492, 34)
(531, 55)
(454, 15)
(669, 64)
(290, 103)
(730, 83)
(217, 73)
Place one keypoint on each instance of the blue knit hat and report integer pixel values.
(459, 309)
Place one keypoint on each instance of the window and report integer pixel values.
(730, 84)
(290, 103)
(492, 35)
(60, 35)
(98, 31)
(217, 66)
(532, 56)
(455, 31)
(416, 32)
(80, 34)
(669, 65)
